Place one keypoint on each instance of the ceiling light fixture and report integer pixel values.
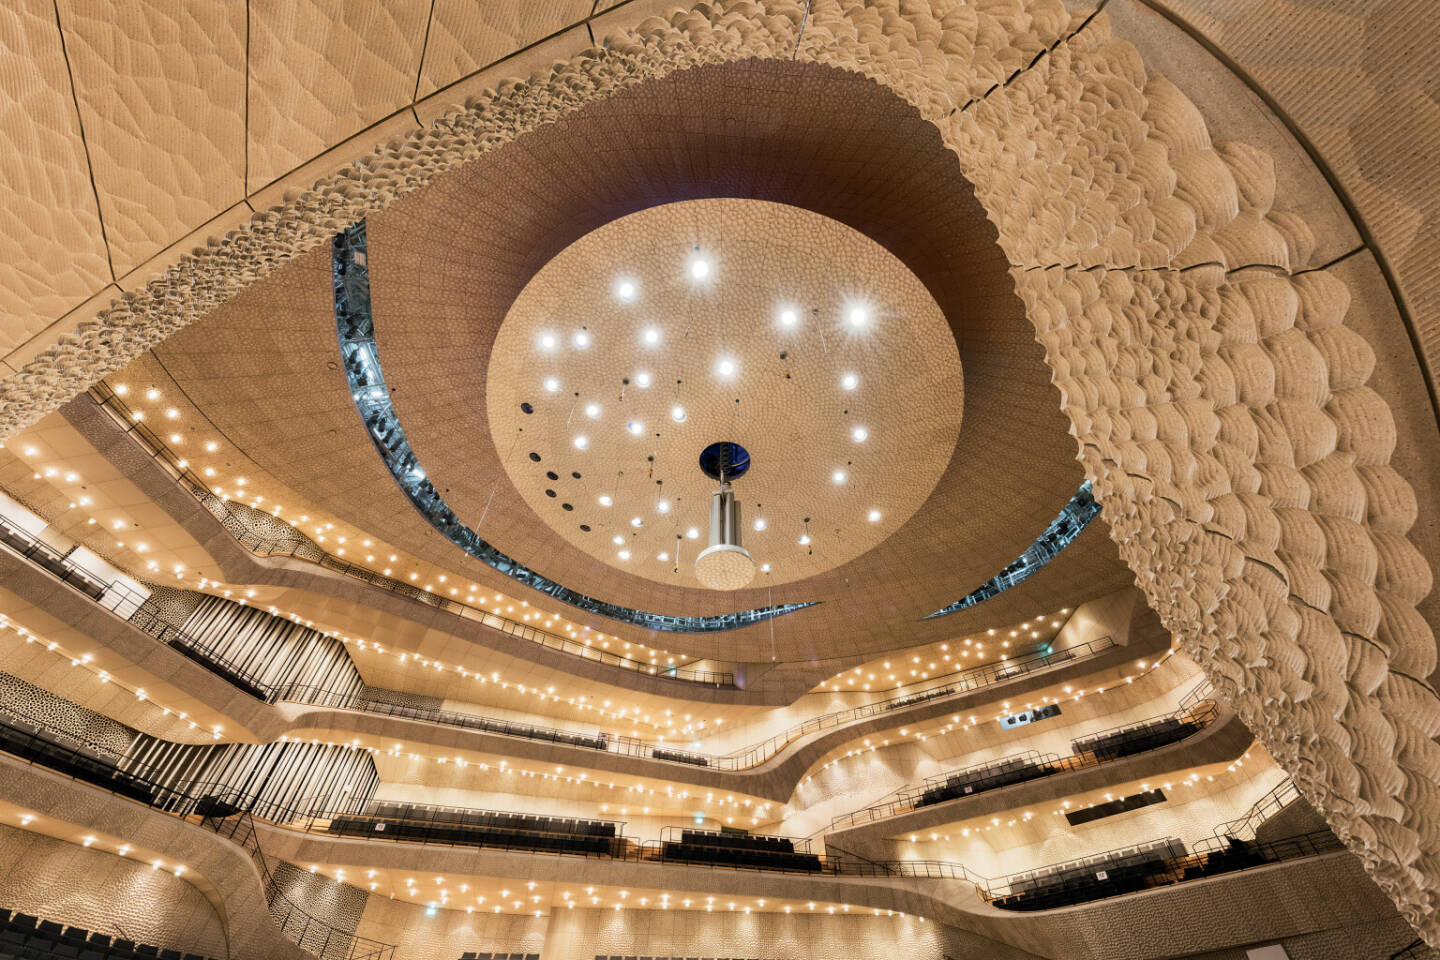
(626, 290)
(699, 267)
(582, 442)
(859, 434)
(789, 317)
(605, 500)
(635, 427)
(725, 367)
(552, 384)
(759, 523)
(547, 341)
(850, 381)
(581, 340)
(651, 336)
(663, 506)
(839, 476)
(592, 410)
(874, 516)
(642, 379)
(858, 317)
(677, 413)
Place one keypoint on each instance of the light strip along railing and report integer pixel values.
(221, 508)
(214, 808)
(1208, 857)
(118, 598)
(1031, 765)
(743, 759)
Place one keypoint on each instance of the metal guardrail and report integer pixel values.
(743, 759)
(90, 765)
(315, 936)
(131, 606)
(211, 805)
(235, 524)
(1037, 766)
(1417, 949)
(247, 680)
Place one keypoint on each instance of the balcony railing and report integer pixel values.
(743, 759)
(235, 524)
(1031, 765)
(230, 813)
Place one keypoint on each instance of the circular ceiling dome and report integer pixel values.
(767, 325)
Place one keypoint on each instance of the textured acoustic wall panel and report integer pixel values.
(1223, 417)
(1360, 81)
(465, 35)
(320, 70)
(52, 255)
(160, 73)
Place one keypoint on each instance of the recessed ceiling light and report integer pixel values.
(592, 410)
(152, 394)
(804, 540)
(617, 539)
(605, 500)
(789, 317)
(651, 336)
(699, 268)
(850, 381)
(642, 379)
(874, 516)
(547, 341)
(663, 506)
(859, 434)
(636, 522)
(662, 556)
(764, 568)
(581, 442)
(692, 533)
(552, 384)
(626, 290)
(725, 367)
(759, 523)
(624, 554)
(635, 427)
(838, 476)
(858, 317)
(677, 413)
(581, 339)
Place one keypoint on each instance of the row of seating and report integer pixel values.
(739, 857)
(469, 955)
(679, 756)
(529, 822)
(1162, 865)
(34, 743)
(1093, 878)
(30, 938)
(475, 836)
(1113, 744)
(599, 956)
(738, 840)
(987, 776)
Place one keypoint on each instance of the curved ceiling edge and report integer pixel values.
(355, 328)
(1074, 517)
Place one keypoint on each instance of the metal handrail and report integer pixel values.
(1205, 860)
(115, 594)
(1416, 949)
(223, 807)
(222, 509)
(1039, 766)
(742, 759)
(1276, 799)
